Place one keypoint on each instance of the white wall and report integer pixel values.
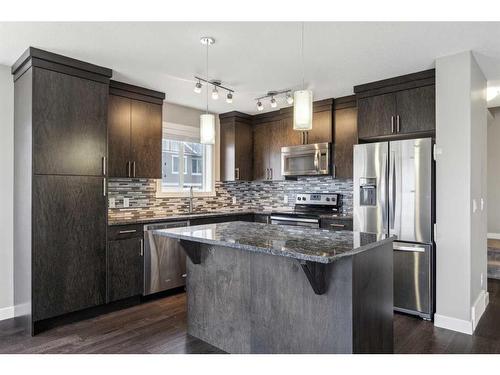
(6, 191)
(494, 173)
(460, 185)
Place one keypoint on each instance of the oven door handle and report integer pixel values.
(298, 220)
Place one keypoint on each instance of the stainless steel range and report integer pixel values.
(309, 207)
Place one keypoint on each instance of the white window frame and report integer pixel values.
(199, 161)
(188, 134)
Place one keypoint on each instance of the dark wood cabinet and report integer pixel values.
(134, 131)
(221, 219)
(337, 224)
(125, 268)
(399, 107)
(69, 244)
(236, 147)
(416, 109)
(376, 116)
(345, 135)
(322, 127)
(261, 151)
(69, 124)
(60, 204)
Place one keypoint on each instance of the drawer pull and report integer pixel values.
(184, 275)
(127, 231)
(337, 225)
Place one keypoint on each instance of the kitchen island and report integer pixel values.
(261, 288)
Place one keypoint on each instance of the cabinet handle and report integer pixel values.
(128, 169)
(104, 187)
(236, 173)
(267, 173)
(397, 124)
(271, 170)
(127, 231)
(337, 225)
(142, 247)
(104, 165)
(133, 168)
(392, 124)
(184, 275)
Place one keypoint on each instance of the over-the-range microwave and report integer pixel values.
(306, 160)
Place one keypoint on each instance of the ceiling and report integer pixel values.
(255, 57)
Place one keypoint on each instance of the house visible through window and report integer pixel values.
(181, 151)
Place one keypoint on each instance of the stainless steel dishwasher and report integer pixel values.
(164, 259)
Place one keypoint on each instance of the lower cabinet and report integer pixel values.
(221, 219)
(125, 276)
(337, 224)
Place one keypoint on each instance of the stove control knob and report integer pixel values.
(303, 198)
(328, 199)
(299, 198)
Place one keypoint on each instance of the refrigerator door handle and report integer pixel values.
(392, 190)
(383, 189)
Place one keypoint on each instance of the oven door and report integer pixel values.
(296, 221)
(305, 160)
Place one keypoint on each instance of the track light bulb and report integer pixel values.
(273, 102)
(197, 87)
(260, 107)
(229, 97)
(215, 93)
(289, 98)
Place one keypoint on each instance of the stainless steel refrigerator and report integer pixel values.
(393, 194)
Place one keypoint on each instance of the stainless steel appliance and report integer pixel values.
(308, 210)
(393, 193)
(164, 259)
(306, 160)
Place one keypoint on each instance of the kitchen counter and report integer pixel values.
(264, 288)
(198, 215)
(316, 245)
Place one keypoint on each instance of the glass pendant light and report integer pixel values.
(207, 120)
(302, 100)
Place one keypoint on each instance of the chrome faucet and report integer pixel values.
(191, 200)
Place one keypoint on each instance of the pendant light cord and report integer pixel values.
(207, 74)
(302, 52)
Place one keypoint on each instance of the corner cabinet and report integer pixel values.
(134, 131)
(395, 108)
(236, 145)
(60, 212)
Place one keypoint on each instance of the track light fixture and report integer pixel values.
(197, 87)
(273, 95)
(215, 93)
(215, 90)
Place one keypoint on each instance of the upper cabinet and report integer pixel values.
(236, 147)
(345, 135)
(400, 107)
(134, 131)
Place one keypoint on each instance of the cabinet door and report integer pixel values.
(337, 224)
(374, 115)
(280, 134)
(119, 111)
(69, 244)
(262, 137)
(322, 128)
(125, 268)
(69, 124)
(243, 151)
(416, 109)
(146, 139)
(345, 137)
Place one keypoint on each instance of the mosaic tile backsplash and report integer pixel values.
(250, 195)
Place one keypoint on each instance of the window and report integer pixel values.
(183, 152)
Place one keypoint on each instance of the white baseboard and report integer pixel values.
(465, 326)
(494, 236)
(453, 324)
(479, 307)
(6, 312)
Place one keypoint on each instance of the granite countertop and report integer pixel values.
(198, 215)
(175, 217)
(317, 245)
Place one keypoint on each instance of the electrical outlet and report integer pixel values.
(126, 202)
(112, 203)
(285, 199)
(234, 200)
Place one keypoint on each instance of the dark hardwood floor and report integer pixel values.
(159, 326)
